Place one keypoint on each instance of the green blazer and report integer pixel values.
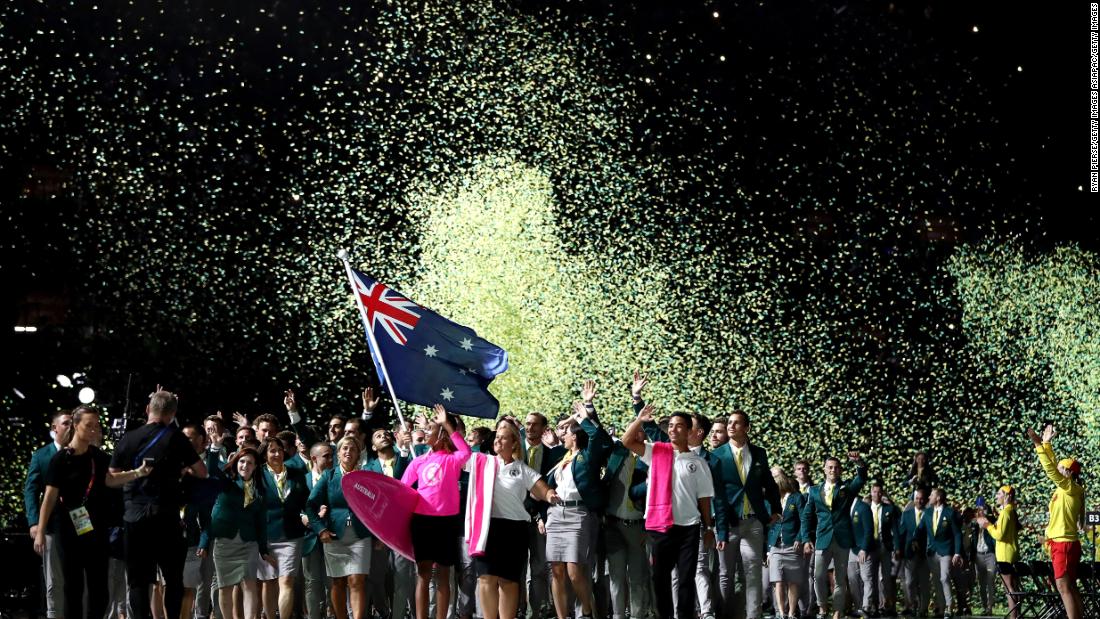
(789, 529)
(550, 457)
(327, 491)
(230, 517)
(910, 540)
(759, 486)
(947, 540)
(863, 526)
(827, 524)
(587, 466)
(309, 539)
(401, 462)
(284, 518)
(35, 486)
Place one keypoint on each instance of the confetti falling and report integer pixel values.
(784, 228)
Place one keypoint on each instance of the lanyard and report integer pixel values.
(137, 458)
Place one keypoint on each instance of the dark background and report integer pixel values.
(1021, 135)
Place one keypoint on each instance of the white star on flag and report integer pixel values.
(447, 394)
(466, 344)
(431, 350)
(462, 371)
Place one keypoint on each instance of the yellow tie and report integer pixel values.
(828, 491)
(874, 515)
(935, 521)
(566, 460)
(248, 495)
(531, 451)
(387, 467)
(745, 507)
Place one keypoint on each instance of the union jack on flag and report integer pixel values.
(388, 309)
(428, 358)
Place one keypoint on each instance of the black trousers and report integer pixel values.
(84, 556)
(679, 548)
(154, 542)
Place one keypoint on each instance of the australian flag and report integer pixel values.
(429, 359)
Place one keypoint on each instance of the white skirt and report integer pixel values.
(349, 555)
(288, 560)
(234, 560)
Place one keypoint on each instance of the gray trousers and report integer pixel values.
(986, 565)
(404, 587)
(869, 577)
(703, 575)
(316, 583)
(204, 600)
(855, 579)
(807, 603)
(916, 584)
(744, 552)
(55, 580)
(839, 556)
(538, 573)
(940, 570)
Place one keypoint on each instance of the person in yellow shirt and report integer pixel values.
(1067, 508)
(1004, 532)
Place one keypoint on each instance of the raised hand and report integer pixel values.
(1048, 433)
(639, 383)
(580, 413)
(853, 455)
(1034, 436)
(646, 414)
(369, 401)
(440, 414)
(240, 420)
(288, 400)
(588, 391)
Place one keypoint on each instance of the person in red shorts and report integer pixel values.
(1067, 508)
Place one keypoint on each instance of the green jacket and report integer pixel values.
(789, 529)
(230, 517)
(327, 491)
(910, 539)
(827, 523)
(35, 486)
(863, 526)
(759, 485)
(947, 540)
(587, 466)
(284, 518)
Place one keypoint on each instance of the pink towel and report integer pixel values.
(658, 509)
(479, 501)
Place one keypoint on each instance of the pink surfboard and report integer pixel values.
(385, 505)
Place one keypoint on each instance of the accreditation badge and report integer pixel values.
(82, 522)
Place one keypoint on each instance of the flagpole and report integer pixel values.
(343, 256)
